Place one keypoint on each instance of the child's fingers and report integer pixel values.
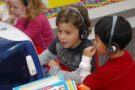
(93, 50)
(89, 51)
(52, 63)
(22, 13)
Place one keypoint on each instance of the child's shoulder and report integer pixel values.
(42, 17)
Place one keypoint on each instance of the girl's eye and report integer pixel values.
(15, 7)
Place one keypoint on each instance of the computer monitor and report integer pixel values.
(19, 63)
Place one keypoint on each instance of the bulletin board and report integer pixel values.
(89, 4)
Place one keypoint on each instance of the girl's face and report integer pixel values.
(100, 46)
(68, 35)
(17, 8)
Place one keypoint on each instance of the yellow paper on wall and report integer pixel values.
(58, 3)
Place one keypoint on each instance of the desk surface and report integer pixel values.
(107, 10)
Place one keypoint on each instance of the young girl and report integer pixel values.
(113, 33)
(31, 20)
(73, 29)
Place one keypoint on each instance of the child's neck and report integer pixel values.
(117, 54)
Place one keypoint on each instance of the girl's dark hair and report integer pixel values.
(122, 32)
(68, 15)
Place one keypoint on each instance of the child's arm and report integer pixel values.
(56, 70)
(76, 75)
(32, 27)
(49, 54)
(85, 66)
(46, 56)
(21, 24)
(73, 75)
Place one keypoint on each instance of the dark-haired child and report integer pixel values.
(73, 29)
(113, 34)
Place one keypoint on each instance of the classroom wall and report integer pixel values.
(131, 46)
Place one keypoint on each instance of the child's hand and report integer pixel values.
(23, 13)
(89, 51)
(52, 63)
